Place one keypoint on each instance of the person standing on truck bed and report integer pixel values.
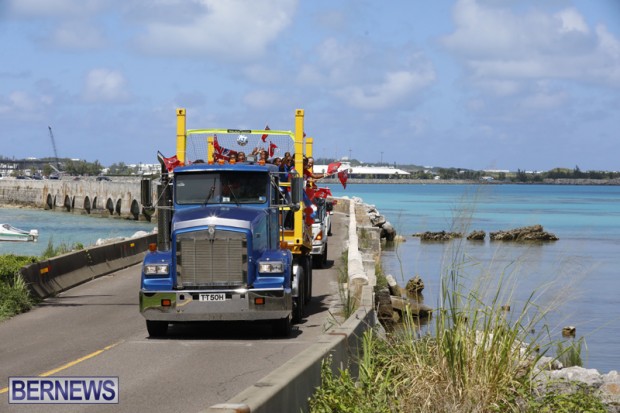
(309, 175)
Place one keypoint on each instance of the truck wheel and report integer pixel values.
(308, 272)
(298, 302)
(282, 327)
(156, 328)
(324, 258)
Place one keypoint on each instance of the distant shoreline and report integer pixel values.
(403, 181)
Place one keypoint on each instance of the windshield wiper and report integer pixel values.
(233, 194)
(211, 192)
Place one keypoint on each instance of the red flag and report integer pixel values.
(172, 163)
(264, 137)
(322, 193)
(272, 148)
(333, 167)
(308, 216)
(343, 176)
(310, 192)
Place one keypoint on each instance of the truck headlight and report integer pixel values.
(156, 269)
(270, 267)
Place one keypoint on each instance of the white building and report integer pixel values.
(362, 171)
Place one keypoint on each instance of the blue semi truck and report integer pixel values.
(232, 240)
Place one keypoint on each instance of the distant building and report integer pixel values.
(368, 172)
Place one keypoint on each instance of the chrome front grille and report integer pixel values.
(207, 260)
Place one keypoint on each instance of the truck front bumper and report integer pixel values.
(185, 305)
(317, 249)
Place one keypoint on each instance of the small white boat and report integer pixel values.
(10, 233)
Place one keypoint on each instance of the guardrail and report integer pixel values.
(49, 277)
(288, 388)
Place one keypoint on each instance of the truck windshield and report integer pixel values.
(221, 188)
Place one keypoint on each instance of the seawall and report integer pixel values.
(83, 196)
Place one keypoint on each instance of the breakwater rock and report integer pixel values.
(551, 376)
(531, 233)
(523, 234)
(438, 235)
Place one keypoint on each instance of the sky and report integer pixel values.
(476, 84)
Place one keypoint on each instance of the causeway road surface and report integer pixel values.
(95, 329)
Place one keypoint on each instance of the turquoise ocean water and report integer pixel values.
(64, 228)
(579, 275)
(581, 269)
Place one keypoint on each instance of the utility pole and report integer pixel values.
(381, 159)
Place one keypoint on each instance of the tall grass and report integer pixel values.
(54, 250)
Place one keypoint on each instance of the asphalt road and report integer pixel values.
(96, 330)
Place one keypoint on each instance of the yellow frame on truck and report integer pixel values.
(299, 239)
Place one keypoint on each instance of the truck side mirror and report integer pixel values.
(146, 192)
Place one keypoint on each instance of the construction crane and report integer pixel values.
(55, 152)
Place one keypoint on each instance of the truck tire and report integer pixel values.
(299, 301)
(320, 261)
(282, 327)
(156, 328)
(308, 272)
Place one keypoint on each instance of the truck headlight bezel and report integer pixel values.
(156, 270)
(270, 267)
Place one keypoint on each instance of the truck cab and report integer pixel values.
(223, 252)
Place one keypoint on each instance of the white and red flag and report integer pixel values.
(272, 148)
(332, 168)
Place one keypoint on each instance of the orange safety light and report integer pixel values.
(166, 302)
(259, 301)
(220, 161)
(153, 247)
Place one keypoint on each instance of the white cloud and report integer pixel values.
(501, 44)
(232, 29)
(262, 99)
(77, 35)
(572, 21)
(25, 106)
(105, 85)
(544, 101)
(505, 51)
(395, 87)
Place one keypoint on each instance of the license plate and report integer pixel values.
(212, 297)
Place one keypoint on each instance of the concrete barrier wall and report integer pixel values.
(49, 277)
(288, 388)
